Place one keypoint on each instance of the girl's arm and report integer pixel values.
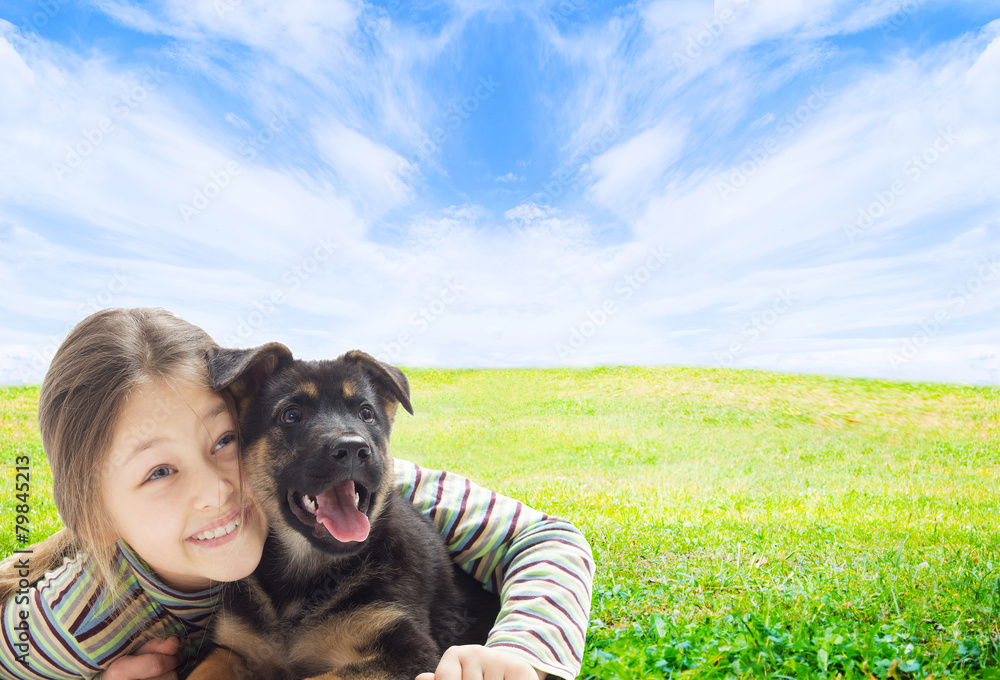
(61, 628)
(540, 565)
(36, 642)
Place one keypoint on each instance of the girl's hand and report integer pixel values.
(475, 662)
(155, 660)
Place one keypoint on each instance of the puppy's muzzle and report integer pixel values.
(335, 509)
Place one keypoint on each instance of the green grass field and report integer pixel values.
(745, 524)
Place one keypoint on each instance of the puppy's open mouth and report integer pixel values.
(340, 512)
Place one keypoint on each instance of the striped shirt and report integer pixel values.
(540, 565)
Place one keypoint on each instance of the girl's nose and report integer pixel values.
(213, 486)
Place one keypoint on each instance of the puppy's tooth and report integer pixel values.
(357, 499)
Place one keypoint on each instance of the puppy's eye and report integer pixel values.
(291, 415)
(367, 414)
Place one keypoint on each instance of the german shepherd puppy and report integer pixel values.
(353, 582)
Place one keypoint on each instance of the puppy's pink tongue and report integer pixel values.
(337, 512)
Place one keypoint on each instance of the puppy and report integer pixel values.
(353, 582)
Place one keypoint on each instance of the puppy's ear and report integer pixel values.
(243, 371)
(389, 380)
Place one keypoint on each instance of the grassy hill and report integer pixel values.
(745, 523)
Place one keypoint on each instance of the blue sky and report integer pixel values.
(803, 187)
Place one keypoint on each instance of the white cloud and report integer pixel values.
(509, 177)
(289, 31)
(626, 173)
(528, 212)
(371, 172)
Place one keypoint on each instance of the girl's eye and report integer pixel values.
(291, 415)
(159, 473)
(367, 414)
(226, 440)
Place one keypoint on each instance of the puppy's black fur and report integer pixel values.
(330, 599)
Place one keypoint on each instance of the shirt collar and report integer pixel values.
(181, 604)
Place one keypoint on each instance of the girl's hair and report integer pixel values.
(104, 358)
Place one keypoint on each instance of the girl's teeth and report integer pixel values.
(220, 531)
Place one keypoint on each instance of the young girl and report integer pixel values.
(147, 479)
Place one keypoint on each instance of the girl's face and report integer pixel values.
(172, 487)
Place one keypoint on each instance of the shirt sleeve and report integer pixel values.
(62, 628)
(37, 621)
(541, 565)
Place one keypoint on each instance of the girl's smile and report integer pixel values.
(222, 531)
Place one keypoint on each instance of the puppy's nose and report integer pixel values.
(350, 449)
